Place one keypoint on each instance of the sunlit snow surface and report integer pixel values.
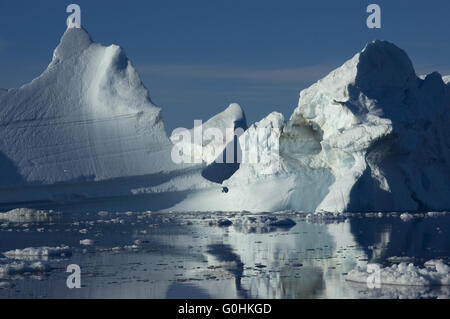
(216, 255)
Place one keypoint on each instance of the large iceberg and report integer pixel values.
(370, 136)
(87, 119)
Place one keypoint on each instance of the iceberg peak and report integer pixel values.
(73, 42)
(383, 66)
(236, 113)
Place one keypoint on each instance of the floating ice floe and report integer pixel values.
(86, 242)
(434, 272)
(406, 217)
(325, 217)
(22, 267)
(27, 215)
(32, 253)
(263, 224)
(436, 214)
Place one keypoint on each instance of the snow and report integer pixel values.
(435, 272)
(446, 79)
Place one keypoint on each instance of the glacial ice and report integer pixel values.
(370, 136)
(87, 118)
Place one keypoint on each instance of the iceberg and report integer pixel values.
(86, 120)
(214, 143)
(32, 253)
(370, 136)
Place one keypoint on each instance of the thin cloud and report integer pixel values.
(293, 75)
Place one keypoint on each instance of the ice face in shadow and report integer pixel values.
(374, 119)
(9, 174)
(217, 136)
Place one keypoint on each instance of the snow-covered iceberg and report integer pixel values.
(87, 117)
(370, 136)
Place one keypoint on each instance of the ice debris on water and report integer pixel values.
(433, 272)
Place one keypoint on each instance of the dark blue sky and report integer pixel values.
(198, 56)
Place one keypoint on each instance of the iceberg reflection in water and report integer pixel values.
(215, 255)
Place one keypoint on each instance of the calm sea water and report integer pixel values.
(188, 255)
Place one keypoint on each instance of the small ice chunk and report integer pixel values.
(22, 267)
(434, 273)
(406, 217)
(86, 242)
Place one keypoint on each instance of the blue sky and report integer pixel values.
(196, 57)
